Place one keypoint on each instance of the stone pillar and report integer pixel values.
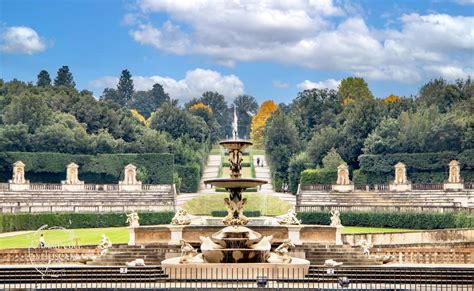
(400, 184)
(343, 184)
(131, 241)
(454, 178)
(18, 181)
(176, 234)
(130, 182)
(72, 182)
(294, 234)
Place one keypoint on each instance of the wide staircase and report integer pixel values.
(359, 200)
(157, 198)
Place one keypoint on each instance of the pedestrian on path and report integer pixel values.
(42, 243)
(258, 161)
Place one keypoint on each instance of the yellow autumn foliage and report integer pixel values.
(258, 122)
(391, 99)
(141, 118)
(200, 105)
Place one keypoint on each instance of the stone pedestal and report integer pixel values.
(400, 187)
(72, 187)
(339, 235)
(343, 188)
(129, 187)
(19, 187)
(294, 234)
(131, 241)
(176, 233)
(453, 186)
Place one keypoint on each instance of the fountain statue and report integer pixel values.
(235, 244)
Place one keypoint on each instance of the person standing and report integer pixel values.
(258, 161)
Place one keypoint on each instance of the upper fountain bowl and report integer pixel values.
(235, 144)
(233, 183)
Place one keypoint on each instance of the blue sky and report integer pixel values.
(267, 49)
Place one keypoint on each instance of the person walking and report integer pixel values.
(42, 243)
(258, 161)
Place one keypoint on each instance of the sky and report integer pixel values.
(267, 49)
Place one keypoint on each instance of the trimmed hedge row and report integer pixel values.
(29, 221)
(244, 165)
(318, 176)
(155, 168)
(223, 213)
(410, 220)
(190, 177)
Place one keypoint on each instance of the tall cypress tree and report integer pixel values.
(64, 78)
(43, 79)
(125, 88)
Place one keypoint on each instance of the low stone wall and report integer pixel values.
(165, 233)
(61, 255)
(412, 237)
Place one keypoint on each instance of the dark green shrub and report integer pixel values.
(318, 176)
(190, 177)
(410, 220)
(223, 213)
(244, 165)
(29, 221)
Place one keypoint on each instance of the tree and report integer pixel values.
(281, 142)
(321, 142)
(354, 88)
(220, 109)
(205, 112)
(29, 109)
(125, 89)
(147, 102)
(246, 106)
(332, 160)
(64, 78)
(43, 79)
(444, 95)
(259, 120)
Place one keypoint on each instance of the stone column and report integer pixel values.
(343, 184)
(176, 234)
(72, 182)
(400, 184)
(130, 182)
(294, 234)
(131, 241)
(18, 181)
(454, 179)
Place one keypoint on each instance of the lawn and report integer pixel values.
(66, 237)
(246, 172)
(268, 205)
(91, 236)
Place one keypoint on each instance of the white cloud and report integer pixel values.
(329, 84)
(304, 33)
(279, 84)
(193, 85)
(21, 40)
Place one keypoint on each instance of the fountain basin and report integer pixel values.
(298, 268)
(235, 255)
(241, 183)
(235, 144)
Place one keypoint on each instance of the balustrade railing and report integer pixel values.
(316, 187)
(45, 187)
(428, 187)
(87, 187)
(4, 186)
(382, 208)
(469, 186)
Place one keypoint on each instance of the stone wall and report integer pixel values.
(60, 255)
(413, 237)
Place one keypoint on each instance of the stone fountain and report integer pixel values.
(235, 248)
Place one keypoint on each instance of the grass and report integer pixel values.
(66, 237)
(267, 205)
(246, 172)
(257, 152)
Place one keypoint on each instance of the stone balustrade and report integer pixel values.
(427, 254)
(86, 187)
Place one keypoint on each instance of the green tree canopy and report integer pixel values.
(43, 79)
(64, 78)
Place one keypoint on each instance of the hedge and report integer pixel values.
(318, 176)
(227, 165)
(223, 213)
(409, 220)
(190, 177)
(30, 221)
(155, 168)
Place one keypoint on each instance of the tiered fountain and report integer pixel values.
(235, 246)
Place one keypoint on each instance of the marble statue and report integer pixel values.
(289, 218)
(104, 245)
(189, 254)
(72, 174)
(366, 246)
(454, 172)
(400, 174)
(130, 175)
(331, 263)
(136, 263)
(335, 218)
(208, 244)
(281, 253)
(181, 217)
(18, 173)
(385, 259)
(235, 126)
(235, 162)
(132, 219)
(235, 212)
(343, 175)
(264, 244)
